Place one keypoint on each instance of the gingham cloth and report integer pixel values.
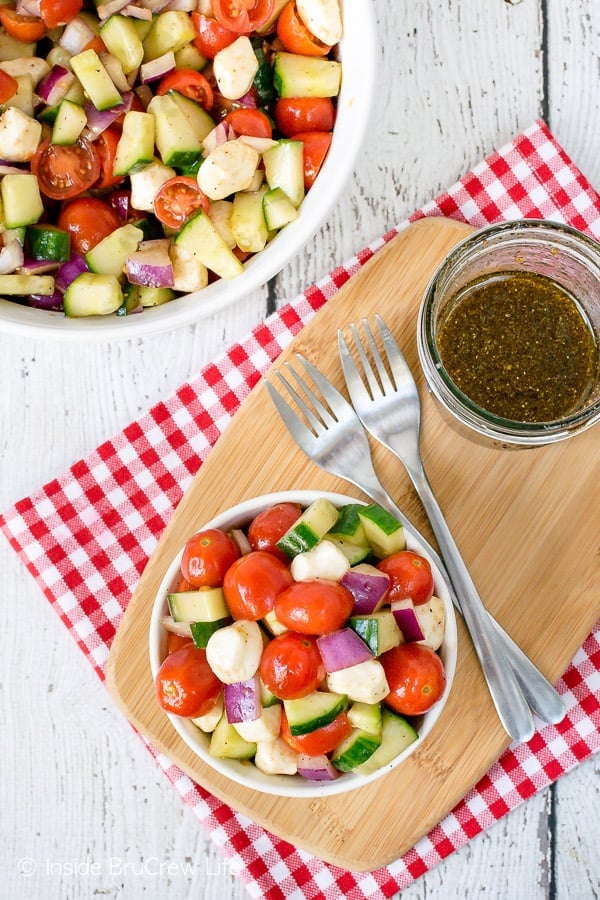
(86, 537)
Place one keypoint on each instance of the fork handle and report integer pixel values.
(508, 697)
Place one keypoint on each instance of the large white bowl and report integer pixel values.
(358, 54)
(248, 775)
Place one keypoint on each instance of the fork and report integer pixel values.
(336, 441)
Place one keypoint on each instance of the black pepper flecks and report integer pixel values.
(518, 345)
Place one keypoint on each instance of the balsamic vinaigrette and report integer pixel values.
(518, 345)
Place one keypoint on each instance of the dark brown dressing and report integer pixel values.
(518, 345)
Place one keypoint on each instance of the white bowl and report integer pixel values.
(248, 775)
(358, 54)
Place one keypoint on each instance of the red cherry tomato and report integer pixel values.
(185, 683)
(176, 642)
(316, 147)
(314, 607)
(250, 121)
(271, 524)
(64, 172)
(178, 199)
(243, 16)
(88, 220)
(106, 148)
(253, 583)
(23, 28)
(8, 86)
(322, 740)
(59, 12)
(297, 114)
(207, 556)
(416, 677)
(191, 84)
(411, 577)
(295, 36)
(291, 665)
(211, 36)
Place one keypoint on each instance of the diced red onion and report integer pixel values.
(46, 301)
(316, 768)
(76, 36)
(368, 586)
(115, 72)
(31, 266)
(248, 100)
(134, 12)
(70, 270)
(241, 541)
(242, 700)
(28, 8)
(181, 5)
(144, 94)
(121, 203)
(342, 649)
(11, 258)
(158, 68)
(154, 6)
(53, 86)
(406, 619)
(181, 628)
(150, 266)
(99, 120)
(218, 136)
(109, 9)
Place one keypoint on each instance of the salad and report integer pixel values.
(305, 643)
(149, 147)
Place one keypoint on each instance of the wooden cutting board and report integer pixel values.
(527, 522)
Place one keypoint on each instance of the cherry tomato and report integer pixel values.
(322, 740)
(295, 36)
(416, 677)
(411, 577)
(59, 12)
(243, 16)
(211, 36)
(8, 86)
(316, 147)
(64, 172)
(88, 220)
(271, 524)
(253, 583)
(314, 607)
(191, 84)
(250, 121)
(106, 148)
(176, 642)
(297, 114)
(207, 556)
(23, 28)
(185, 683)
(177, 199)
(291, 665)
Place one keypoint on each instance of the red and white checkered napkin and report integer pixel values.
(86, 537)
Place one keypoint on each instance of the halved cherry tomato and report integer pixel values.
(8, 86)
(253, 583)
(291, 665)
(297, 114)
(295, 36)
(177, 199)
(322, 740)
(191, 84)
(106, 148)
(207, 556)
(250, 121)
(411, 577)
(59, 12)
(316, 147)
(64, 172)
(211, 36)
(268, 526)
(88, 220)
(23, 28)
(176, 642)
(185, 683)
(243, 16)
(314, 607)
(416, 677)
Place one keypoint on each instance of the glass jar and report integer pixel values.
(562, 254)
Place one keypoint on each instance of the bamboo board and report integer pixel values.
(527, 523)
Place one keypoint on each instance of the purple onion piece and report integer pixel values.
(316, 768)
(242, 700)
(69, 271)
(406, 619)
(369, 587)
(342, 649)
(53, 86)
(46, 301)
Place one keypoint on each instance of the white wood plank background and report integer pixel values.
(83, 804)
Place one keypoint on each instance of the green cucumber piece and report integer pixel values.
(122, 40)
(248, 222)
(130, 299)
(355, 750)
(202, 631)
(154, 296)
(367, 717)
(384, 532)
(379, 630)
(175, 136)
(354, 553)
(267, 699)
(397, 735)
(200, 237)
(135, 149)
(309, 529)
(226, 743)
(263, 80)
(69, 123)
(203, 605)
(25, 285)
(108, 257)
(93, 295)
(314, 711)
(48, 242)
(278, 209)
(190, 58)
(306, 76)
(21, 200)
(349, 524)
(284, 168)
(95, 80)
(198, 119)
(170, 30)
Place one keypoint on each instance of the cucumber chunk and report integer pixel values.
(69, 123)
(226, 742)
(93, 295)
(314, 711)
(154, 296)
(200, 237)
(278, 209)
(47, 242)
(203, 605)
(384, 532)
(108, 257)
(135, 149)
(170, 30)
(176, 139)
(379, 631)
(313, 524)
(21, 200)
(397, 735)
(248, 221)
(306, 76)
(203, 631)
(349, 524)
(355, 750)
(122, 40)
(24, 285)
(95, 80)
(284, 168)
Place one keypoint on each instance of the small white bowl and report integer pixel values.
(358, 55)
(248, 775)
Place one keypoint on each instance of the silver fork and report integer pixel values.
(336, 441)
(387, 403)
